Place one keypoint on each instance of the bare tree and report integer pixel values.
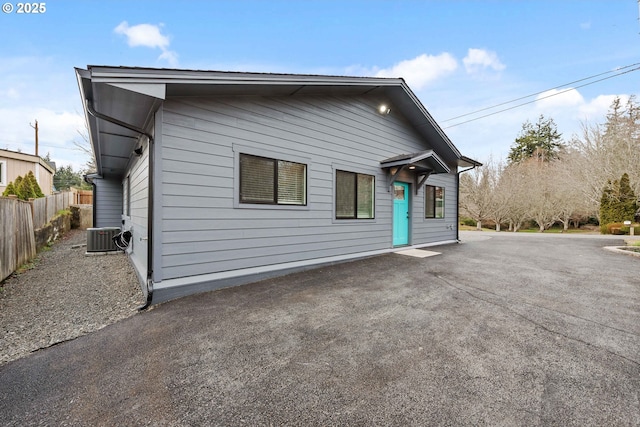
(501, 197)
(475, 194)
(605, 151)
(513, 181)
(84, 145)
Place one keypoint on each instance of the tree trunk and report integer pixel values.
(479, 225)
(497, 226)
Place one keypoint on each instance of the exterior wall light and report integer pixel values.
(384, 109)
(412, 167)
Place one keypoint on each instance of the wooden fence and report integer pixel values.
(47, 207)
(17, 241)
(18, 222)
(81, 197)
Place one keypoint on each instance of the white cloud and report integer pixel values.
(479, 60)
(559, 98)
(143, 35)
(422, 70)
(598, 107)
(148, 35)
(170, 56)
(10, 93)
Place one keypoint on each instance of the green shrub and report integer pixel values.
(615, 228)
(467, 221)
(25, 188)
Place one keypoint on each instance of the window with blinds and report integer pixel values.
(271, 181)
(354, 195)
(434, 201)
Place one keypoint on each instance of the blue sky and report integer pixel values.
(457, 56)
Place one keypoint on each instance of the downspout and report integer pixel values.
(142, 132)
(93, 198)
(458, 199)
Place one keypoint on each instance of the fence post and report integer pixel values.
(31, 199)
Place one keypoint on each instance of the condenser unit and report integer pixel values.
(101, 239)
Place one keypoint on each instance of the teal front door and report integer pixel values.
(400, 214)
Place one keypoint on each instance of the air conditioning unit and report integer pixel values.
(101, 239)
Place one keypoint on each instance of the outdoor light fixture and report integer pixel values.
(384, 109)
(412, 167)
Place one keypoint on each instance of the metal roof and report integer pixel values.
(133, 94)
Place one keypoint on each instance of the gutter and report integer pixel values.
(142, 132)
(475, 164)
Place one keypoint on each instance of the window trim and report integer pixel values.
(3, 173)
(269, 154)
(276, 185)
(126, 206)
(336, 218)
(435, 207)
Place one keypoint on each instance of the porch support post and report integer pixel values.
(395, 175)
(422, 181)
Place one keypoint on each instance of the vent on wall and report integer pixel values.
(101, 239)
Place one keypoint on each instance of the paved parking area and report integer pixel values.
(499, 330)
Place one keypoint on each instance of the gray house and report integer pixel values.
(225, 178)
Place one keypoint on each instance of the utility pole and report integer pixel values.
(36, 128)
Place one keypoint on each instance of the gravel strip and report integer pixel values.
(67, 294)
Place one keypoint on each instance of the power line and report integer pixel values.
(543, 91)
(617, 70)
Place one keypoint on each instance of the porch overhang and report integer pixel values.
(421, 165)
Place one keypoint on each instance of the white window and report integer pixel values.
(3, 173)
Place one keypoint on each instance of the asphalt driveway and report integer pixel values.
(499, 330)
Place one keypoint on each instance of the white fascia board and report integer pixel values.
(100, 74)
(154, 90)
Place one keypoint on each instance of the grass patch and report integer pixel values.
(473, 228)
(27, 266)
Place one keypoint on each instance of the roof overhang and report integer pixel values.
(424, 161)
(133, 104)
(132, 95)
(31, 158)
(466, 162)
(421, 165)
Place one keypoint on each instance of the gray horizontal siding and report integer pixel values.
(429, 230)
(108, 203)
(202, 230)
(137, 221)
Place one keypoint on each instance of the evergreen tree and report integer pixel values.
(618, 202)
(606, 203)
(627, 203)
(65, 177)
(25, 188)
(17, 185)
(9, 190)
(541, 140)
(37, 191)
